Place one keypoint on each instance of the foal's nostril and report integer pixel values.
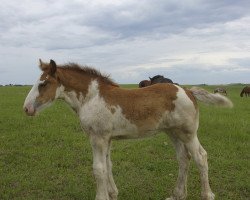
(29, 110)
(25, 109)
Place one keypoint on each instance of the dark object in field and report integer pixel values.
(144, 83)
(154, 80)
(246, 91)
(221, 91)
(160, 79)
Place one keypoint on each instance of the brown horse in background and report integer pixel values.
(221, 91)
(246, 91)
(154, 80)
(160, 79)
(144, 83)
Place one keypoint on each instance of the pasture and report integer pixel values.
(49, 157)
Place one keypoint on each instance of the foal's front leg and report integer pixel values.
(100, 150)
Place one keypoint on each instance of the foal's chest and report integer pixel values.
(96, 116)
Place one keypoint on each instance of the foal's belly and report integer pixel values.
(134, 135)
(117, 126)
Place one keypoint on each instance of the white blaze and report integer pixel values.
(33, 94)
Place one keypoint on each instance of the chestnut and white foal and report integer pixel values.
(108, 112)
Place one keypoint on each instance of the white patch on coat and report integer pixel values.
(184, 116)
(59, 91)
(96, 116)
(93, 90)
(76, 101)
(72, 100)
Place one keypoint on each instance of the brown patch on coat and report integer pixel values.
(75, 78)
(91, 72)
(143, 107)
(191, 97)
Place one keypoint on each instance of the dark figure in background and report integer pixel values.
(221, 91)
(144, 83)
(246, 91)
(160, 79)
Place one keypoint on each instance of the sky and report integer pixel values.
(189, 41)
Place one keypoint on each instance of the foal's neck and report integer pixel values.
(79, 88)
(74, 87)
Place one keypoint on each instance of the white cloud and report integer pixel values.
(131, 40)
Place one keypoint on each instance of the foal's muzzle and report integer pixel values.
(29, 110)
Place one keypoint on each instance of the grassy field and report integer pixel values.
(48, 157)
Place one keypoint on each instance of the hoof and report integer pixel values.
(113, 196)
(209, 196)
(175, 198)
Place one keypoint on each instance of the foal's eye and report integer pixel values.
(41, 85)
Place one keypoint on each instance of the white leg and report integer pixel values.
(100, 150)
(200, 158)
(112, 189)
(183, 157)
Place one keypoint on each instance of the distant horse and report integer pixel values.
(144, 83)
(160, 79)
(221, 91)
(246, 91)
(108, 112)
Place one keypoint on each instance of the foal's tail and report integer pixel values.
(209, 98)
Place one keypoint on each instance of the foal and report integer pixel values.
(108, 112)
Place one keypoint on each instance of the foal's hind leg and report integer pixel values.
(183, 157)
(200, 158)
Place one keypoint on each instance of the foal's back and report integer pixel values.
(148, 108)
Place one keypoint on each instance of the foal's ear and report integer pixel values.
(43, 66)
(52, 67)
(49, 68)
(40, 61)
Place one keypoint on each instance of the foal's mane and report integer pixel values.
(90, 71)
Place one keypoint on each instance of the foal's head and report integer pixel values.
(44, 91)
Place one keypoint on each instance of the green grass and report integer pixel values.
(49, 157)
